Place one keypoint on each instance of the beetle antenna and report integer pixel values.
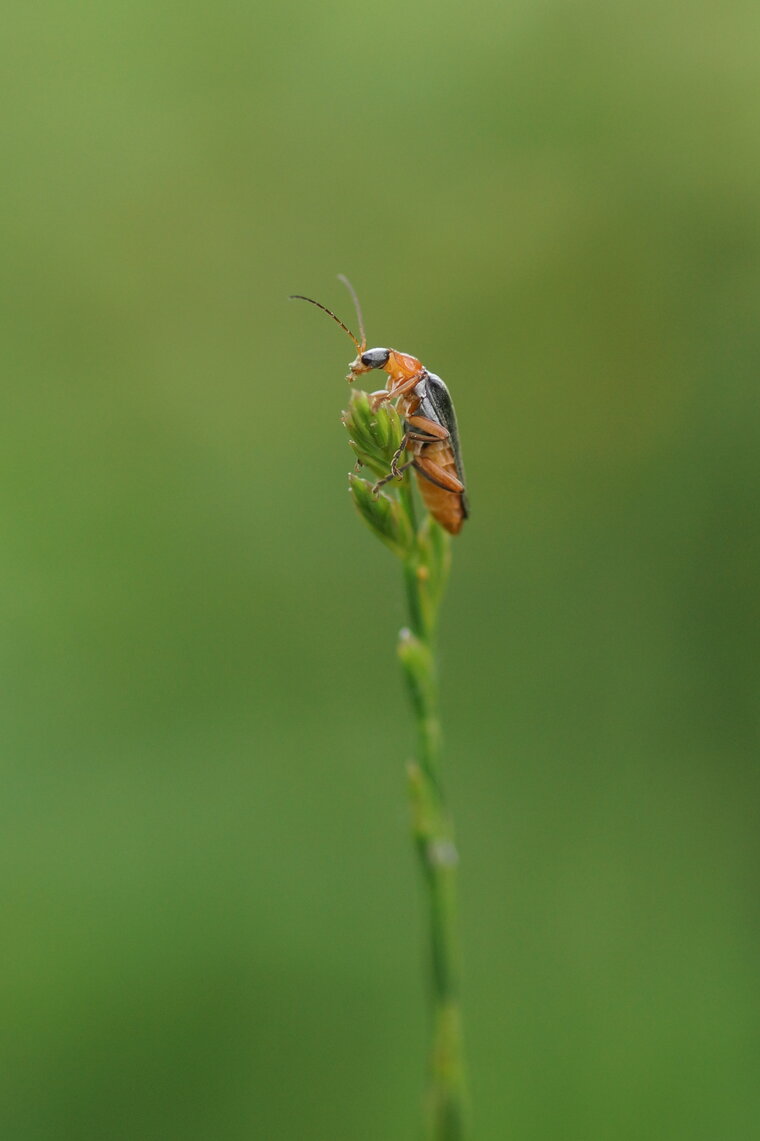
(329, 312)
(342, 277)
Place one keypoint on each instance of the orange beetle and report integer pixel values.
(430, 425)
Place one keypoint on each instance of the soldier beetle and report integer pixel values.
(430, 426)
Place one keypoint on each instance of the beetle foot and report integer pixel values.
(378, 398)
(380, 483)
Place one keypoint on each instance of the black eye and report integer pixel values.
(375, 358)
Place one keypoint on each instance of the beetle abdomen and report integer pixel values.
(449, 508)
(446, 507)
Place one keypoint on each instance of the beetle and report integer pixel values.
(430, 426)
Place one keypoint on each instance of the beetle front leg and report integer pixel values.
(394, 390)
(378, 398)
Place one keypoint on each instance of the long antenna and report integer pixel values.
(329, 312)
(342, 277)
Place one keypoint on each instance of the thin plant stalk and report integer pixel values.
(424, 550)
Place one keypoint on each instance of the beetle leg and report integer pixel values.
(437, 475)
(378, 398)
(417, 437)
(398, 454)
(393, 475)
(429, 426)
(406, 385)
(383, 394)
(394, 391)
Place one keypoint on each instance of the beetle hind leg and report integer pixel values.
(395, 473)
(441, 476)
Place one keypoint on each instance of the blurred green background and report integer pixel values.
(211, 913)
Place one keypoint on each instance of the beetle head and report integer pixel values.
(365, 362)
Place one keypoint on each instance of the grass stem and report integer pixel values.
(425, 552)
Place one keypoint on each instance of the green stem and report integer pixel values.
(411, 566)
(434, 841)
(376, 434)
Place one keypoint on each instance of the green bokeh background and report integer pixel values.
(211, 914)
